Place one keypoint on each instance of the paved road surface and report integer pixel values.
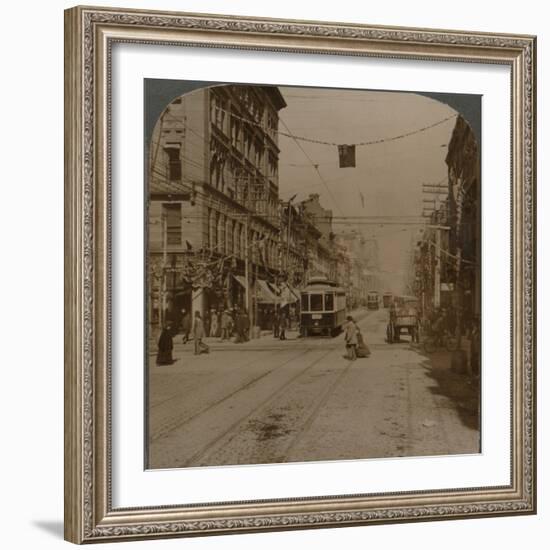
(269, 401)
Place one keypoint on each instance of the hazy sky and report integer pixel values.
(389, 175)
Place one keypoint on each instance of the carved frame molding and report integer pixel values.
(89, 35)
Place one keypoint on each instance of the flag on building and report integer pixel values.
(346, 154)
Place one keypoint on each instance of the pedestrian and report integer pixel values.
(362, 347)
(246, 326)
(226, 325)
(214, 329)
(206, 323)
(276, 323)
(283, 325)
(219, 314)
(239, 328)
(198, 335)
(165, 346)
(437, 327)
(350, 337)
(185, 325)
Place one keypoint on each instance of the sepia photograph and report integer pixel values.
(313, 274)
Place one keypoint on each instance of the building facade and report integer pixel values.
(448, 256)
(213, 199)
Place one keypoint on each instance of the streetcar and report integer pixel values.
(387, 299)
(323, 308)
(373, 300)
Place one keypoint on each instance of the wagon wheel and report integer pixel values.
(396, 333)
(451, 343)
(389, 333)
(429, 344)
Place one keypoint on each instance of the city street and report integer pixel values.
(268, 401)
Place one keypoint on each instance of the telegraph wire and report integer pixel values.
(316, 167)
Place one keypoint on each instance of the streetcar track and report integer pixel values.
(186, 392)
(315, 411)
(225, 398)
(209, 446)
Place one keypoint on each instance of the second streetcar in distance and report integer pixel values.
(323, 308)
(373, 300)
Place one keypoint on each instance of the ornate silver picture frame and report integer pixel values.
(90, 512)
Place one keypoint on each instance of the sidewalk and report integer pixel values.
(266, 342)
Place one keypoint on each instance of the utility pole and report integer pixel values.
(255, 316)
(289, 212)
(437, 275)
(437, 268)
(247, 264)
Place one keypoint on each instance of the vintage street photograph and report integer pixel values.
(313, 274)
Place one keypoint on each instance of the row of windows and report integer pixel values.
(241, 133)
(227, 236)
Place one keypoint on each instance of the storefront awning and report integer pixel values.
(240, 279)
(289, 295)
(264, 294)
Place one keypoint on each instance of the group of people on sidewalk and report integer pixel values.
(281, 323)
(238, 325)
(220, 324)
(227, 324)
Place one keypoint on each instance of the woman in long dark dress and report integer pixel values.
(165, 346)
(362, 348)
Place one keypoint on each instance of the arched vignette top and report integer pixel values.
(159, 93)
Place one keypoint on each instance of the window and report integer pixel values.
(212, 231)
(172, 216)
(229, 237)
(237, 239)
(236, 132)
(329, 302)
(272, 165)
(174, 162)
(221, 234)
(316, 302)
(305, 302)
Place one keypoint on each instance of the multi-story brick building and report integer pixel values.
(213, 199)
(322, 253)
